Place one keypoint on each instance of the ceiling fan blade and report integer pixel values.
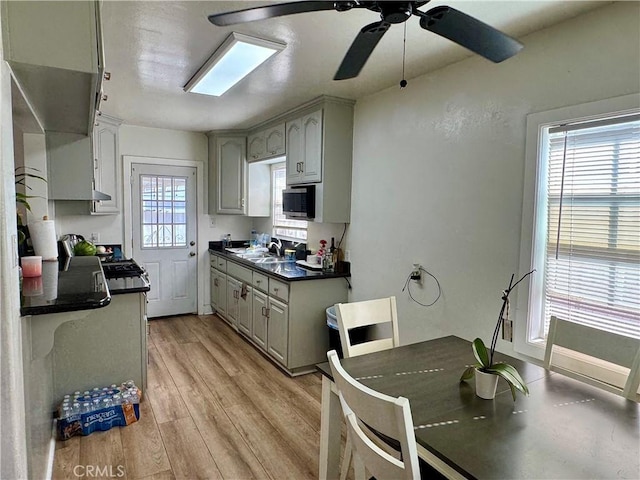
(360, 50)
(268, 11)
(471, 33)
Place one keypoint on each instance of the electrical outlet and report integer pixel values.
(94, 237)
(416, 273)
(212, 220)
(347, 255)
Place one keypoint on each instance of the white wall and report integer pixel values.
(438, 168)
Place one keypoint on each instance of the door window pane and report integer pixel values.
(164, 221)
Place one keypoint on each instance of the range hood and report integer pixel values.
(97, 196)
(70, 167)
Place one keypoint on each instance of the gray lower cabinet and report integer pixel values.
(218, 285)
(107, 346)
(259, 330)
(277, 330)
(284, 319)
(233, 290)
(245, 311)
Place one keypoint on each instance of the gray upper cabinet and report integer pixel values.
(59, 69)
(317, 139)
(69, 166)
(265, 144)
(230, 158)
(107, 170)
(304, 149)
(274, 140)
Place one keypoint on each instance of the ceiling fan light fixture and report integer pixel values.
(236, 58)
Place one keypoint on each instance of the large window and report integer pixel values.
(586, 225)
(295, 230)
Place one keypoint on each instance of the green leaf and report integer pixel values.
(468, 374)
(480, 352)
(512, 377)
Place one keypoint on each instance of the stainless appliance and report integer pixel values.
(299, 202)
(67, 243)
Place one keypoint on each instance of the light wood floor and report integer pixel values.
(214, 408)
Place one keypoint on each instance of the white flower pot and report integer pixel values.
(486, 384)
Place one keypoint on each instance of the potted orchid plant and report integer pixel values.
(486, 370)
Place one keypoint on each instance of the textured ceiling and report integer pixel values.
(153, 48)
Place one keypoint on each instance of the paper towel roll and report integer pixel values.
(43, 239)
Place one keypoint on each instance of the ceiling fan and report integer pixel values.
(445, 21)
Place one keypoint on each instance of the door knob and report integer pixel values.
(192, 254)
(192, 243)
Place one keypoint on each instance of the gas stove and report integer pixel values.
(122, 269)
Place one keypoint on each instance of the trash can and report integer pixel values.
(357, 335)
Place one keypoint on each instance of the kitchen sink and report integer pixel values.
(268, 259)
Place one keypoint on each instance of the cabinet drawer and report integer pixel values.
(279, 290)
(261, 282)
(241, 273)
(221, 264)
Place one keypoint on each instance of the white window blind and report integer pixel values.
(592, 260)
(283, 227)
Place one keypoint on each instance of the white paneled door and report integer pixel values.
(164, 235)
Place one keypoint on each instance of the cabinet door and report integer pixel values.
(213, 290)
(256, 146)
(233, 293)
(221, 296)
(274, 140)
(278, 330)
(259, 332)
(107, 166)
(294, 151)
(69, 166)
(231, 159)
(312, 147)
(245, 314)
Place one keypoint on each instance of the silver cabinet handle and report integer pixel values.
(192, 243)
(192, 254)
(107, 75)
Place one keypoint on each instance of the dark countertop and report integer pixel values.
(124, 285)
(78, 284)
(288, 271)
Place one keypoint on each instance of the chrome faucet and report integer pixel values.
(277, 244)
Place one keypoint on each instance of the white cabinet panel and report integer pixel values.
(230, 158)
(107, 174)
(278, 329)
(304, 149)
(260, 305)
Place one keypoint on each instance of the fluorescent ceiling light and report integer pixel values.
(236, 58)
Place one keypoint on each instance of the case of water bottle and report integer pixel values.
(82, 413)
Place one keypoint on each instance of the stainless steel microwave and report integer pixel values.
(299, 202)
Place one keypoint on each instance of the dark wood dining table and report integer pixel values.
(564, 429)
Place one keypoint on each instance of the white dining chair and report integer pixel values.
(366, 409)
(381, 311)
(367, 313)
(608, 346)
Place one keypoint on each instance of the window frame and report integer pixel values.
(528, 338)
